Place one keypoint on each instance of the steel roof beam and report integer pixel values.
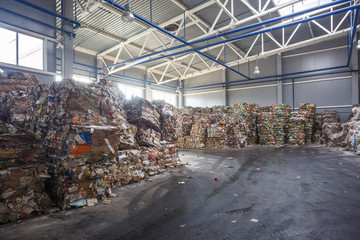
(162, 25)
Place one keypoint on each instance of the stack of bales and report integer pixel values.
(331, 129)
(308, 111)
(246, 114)
(23, 169)
(273, 124)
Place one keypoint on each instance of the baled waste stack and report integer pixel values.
(246, 114)
(148, 119)
(317, 128)
(23, 169)
(308, 111)
(332, 134)
(273, 124)
(169, 135)
(168, 121)
(217, 129)
(185, 122)
(83, 128)
(198, 133)
(301, 125)
(296, 134)
(352, 131)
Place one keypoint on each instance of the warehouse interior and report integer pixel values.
(179, 119)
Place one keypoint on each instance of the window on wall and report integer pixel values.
(22, 50)
(30, 52)
(82, 79)
(131, 91)
(167, 97)
(7, 46)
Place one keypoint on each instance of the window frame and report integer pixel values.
(124, 87)
(44, 50)
(165, 96)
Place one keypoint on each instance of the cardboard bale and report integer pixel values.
(20, 149)
(168, 121)
(22, 192)
(140, 110)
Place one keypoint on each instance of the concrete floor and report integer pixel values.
(294, 192)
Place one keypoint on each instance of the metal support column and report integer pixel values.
(279, 83)
(148, 92)
(67, 50)
(181, 95)
(224, 94)
(355, 75)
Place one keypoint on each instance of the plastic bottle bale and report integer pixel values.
(308, 111)
(248, 114)
(296, 134)
(317, 129)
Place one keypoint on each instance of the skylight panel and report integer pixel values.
(299, 6)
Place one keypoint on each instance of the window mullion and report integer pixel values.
(17, 49)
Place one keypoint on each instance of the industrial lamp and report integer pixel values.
(127, 15)
(256, 69)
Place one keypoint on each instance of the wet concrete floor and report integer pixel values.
(287, 192)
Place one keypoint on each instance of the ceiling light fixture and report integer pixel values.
(127, 15)
(171, 27)
(358, 46)
(256, 69)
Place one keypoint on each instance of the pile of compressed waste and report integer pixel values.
(296, 134)
(352, 131)
(331, 129)
(272, 124)
(218, 127)
(246, 115)
(77, 143)
(317, 128)
(308, 111)
(23, 168)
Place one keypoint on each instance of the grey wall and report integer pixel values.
(20, 22)
(324, 89)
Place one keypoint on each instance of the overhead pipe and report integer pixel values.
(274, 76)
(77, 24)
(272, 80)
(173, 36)
(232, 32)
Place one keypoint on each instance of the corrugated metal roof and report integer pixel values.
(103, 28)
